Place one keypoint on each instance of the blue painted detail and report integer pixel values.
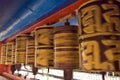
(29, 13)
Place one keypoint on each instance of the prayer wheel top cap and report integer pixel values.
(30, 38)
(3, 44)
(64, 28)
(9, 42)
(20, 35)
(44, 27)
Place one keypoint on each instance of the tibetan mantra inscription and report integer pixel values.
(99, 35)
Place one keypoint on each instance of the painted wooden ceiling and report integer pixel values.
(17, 15)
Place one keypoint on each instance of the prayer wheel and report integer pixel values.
(30, 50)
(66, 47)
(99, 35)
(3, 54)
(20, 51)
(13, 52)
(9, 53)
(44, 46)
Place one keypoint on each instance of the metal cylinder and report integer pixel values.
(30, 50)
(99, 35)
(66, 47)
(3, 54)
(20, 52)
(13, 52)
(44, 46)
(9, 53)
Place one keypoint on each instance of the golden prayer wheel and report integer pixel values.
(3, 54)
(99, 35)
(9, 53)
(13, 52)
(66, 47)
(20, 51)
(30, 50)
(44, 46)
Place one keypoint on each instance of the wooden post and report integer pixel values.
(68, 74)
(1, 68)
(8, 68)
(103, 75)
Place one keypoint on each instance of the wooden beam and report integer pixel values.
(68, 74)
(12, 77)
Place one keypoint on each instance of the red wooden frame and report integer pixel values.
(11, 76)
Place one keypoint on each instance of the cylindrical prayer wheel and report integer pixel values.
(9, 53)
(99, 35)
(3, 54)
(13, 52)
(66, 47)
(20, 52)
(44, 46)
(30, 50)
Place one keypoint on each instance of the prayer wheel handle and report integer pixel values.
(67, 22)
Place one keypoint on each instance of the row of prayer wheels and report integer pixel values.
(92, 46)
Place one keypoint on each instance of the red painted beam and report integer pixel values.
(1, 68)
(53, 18)
(12, 77)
